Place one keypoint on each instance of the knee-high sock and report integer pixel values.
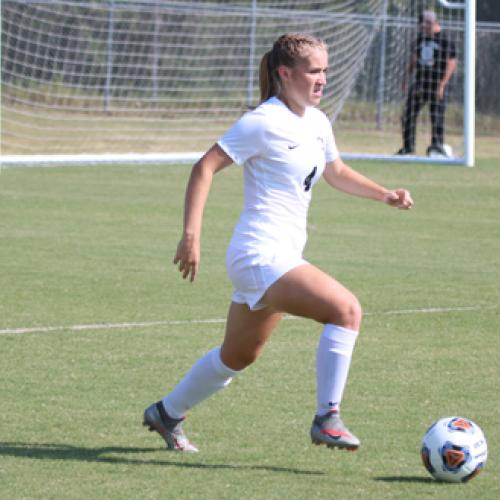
(333, 359)
(206, 376)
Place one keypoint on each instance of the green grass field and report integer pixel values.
(93, 246)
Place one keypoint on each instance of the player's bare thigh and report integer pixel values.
(246, 333)
(308, 292)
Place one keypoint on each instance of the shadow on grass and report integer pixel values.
(50, 451)
(405, 479)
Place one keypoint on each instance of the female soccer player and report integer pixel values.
(285, 145)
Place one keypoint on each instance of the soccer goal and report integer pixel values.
(159, 81)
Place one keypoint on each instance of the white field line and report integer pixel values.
(148, 324)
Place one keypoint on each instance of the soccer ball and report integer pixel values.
(448, 150)
(454, 449)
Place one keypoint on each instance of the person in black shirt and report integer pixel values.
(432, 64)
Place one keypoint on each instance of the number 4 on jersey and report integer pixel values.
(309, 178)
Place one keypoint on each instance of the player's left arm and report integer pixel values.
(345, 179)
(451, 66)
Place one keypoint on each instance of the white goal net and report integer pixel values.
(169, 77)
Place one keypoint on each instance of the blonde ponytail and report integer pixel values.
(267, 80)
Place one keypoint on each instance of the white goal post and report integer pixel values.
(158, 81)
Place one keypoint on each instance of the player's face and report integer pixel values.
(427, 27)
(303, 84)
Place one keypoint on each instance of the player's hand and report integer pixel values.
(399, 198)
(188, 257)
(440, 91)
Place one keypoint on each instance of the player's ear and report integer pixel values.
(284, 72)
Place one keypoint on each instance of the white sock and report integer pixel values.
(206, 376)
(333, 359)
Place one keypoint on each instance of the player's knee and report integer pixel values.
(240, 359)
(349, 314)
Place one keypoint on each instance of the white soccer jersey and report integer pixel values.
(283, 156)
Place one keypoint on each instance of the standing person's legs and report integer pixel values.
(409, 119)
(437, 110)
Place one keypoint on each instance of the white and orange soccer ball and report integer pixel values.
(454, 449)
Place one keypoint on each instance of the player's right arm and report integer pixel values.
(198, 187)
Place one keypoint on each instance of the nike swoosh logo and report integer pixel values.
(293, 146)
